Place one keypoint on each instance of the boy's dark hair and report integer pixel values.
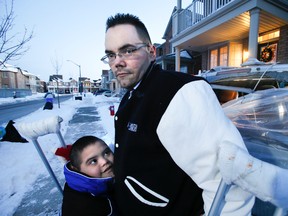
(78, 147)
(121, 18)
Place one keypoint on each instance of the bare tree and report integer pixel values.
(12, 46)
(57, 67)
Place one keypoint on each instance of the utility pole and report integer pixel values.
(80, 83)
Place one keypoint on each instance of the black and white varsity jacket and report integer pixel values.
(165, 155)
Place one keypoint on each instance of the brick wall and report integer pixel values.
(282, 55)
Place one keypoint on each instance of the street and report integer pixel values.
(17, 110)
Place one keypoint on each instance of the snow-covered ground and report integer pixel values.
(20, 165)
(25, 185)
(27, 98)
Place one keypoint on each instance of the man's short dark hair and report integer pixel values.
(78, 147)
(121, 18)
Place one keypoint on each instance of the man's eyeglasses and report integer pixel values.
(123, 53)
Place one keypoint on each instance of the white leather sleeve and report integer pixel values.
(192, 129)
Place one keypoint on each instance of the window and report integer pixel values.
(269, 36)
(219, 57)
(235, 54)
(268, 46)
(213, 58)
(4, 75)
(184, 69)
(223, 58)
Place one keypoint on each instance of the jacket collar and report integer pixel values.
(82, 183)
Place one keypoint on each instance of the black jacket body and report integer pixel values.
(147, 180)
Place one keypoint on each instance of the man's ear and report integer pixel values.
(152, 51)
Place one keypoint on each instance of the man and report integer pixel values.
(168, 129)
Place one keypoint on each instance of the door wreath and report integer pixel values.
(266, 54)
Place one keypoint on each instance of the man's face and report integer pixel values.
(130, 70)
(97, 161)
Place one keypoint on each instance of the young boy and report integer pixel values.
(89, 176)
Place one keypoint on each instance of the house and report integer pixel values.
(87, 84)
(56, 84)
(109, 81)
(41, 85)
(15, 82)
(73, 85)
(229, 33)
(166, 55)
(96, 84)
(31, 81)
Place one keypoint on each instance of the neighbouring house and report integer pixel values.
(31, 81)
(15, 82)
(105, 81)
(87, 84)
(41, 85)
(190, 61)
(228, 33)
(225, 33)
(57, 85)
(109, 81)
(73, 85)
(96, 85)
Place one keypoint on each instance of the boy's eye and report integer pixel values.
(107, 152)
(94, 161)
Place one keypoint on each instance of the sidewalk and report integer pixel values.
(45, 198)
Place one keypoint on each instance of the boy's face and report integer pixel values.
(97, 161)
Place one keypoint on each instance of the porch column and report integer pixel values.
(176, 20)
(177, 58)
(253, 38)
(177, 50)
(163, 64)
(179, 4)
(253, 33)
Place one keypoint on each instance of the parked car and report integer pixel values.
(107, 93)
(118, 96)
(100, 91)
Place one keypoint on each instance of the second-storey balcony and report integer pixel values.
(212, 20)
(195, 12)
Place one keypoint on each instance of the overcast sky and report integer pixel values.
(75, 29)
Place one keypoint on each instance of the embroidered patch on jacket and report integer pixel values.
(132, 127)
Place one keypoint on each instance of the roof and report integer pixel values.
(8, 67)
(183, 54)
(169, 25)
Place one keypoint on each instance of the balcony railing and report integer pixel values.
(195, 12)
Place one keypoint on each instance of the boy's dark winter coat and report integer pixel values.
(84, 204)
